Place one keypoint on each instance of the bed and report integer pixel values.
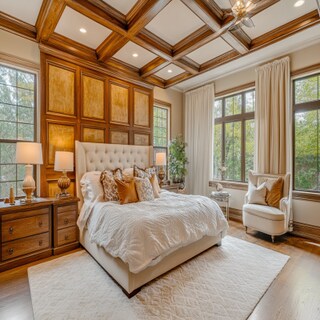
(98, 157)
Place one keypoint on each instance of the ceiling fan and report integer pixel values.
(240, 9)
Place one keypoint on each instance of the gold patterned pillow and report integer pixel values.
(109, 185)
(143, 173)
(144, 189)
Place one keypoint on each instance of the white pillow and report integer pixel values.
(91, 186)
(257, 195)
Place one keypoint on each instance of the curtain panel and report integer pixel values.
(273, 118)
(199, 138)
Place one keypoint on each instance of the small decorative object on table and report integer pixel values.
(161, 161)
(28, 153)
(219, 187)
(63, 162)
(222, 196)
(222, 169)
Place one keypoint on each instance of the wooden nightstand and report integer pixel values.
(25, 232)
(65, 229)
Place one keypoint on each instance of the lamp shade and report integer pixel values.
(63, 161)
(29, 153)
(161, 159)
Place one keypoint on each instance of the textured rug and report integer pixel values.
(224, 282)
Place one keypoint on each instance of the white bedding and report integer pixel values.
(142, 233)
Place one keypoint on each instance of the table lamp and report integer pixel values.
(161, 161)
(28, 153)
(63, 161)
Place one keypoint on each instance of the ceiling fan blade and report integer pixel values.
(247, 22)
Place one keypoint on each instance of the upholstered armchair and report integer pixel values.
(264, 218)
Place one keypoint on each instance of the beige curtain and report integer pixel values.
(273, 117)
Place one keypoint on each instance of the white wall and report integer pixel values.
(175, 99)
(19, 47)
(304, 211)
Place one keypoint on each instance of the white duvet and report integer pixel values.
(142, 233)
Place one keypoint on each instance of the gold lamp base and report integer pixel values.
(64, 184)
(161, 175)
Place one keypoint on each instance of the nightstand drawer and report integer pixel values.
(72, 207)
(20, 228)
(20, 247)
(67, 235)
(67, 219)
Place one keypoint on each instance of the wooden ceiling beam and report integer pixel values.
(188, 65)
(308, 20)
(157, 81)
(146, 13)
(180, 77)
(49, 15)
(153, 66)
(111, 45)
(17, 27)
(96, 13)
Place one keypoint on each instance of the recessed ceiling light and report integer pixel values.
(169, 71)
(299, 3)
(135, 55)
(83, 30)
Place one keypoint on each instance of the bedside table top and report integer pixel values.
(37, 202)
(220, 195)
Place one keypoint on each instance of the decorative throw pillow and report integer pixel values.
(127, 174)
(107, 179)
(275, 194)
(143, 173)
(257, 195)
(144, 189)
(127, 191)
(91, 187)
(155, 186)
(268, 182)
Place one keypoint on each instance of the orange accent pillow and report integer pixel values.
(127, 191)
(155, 186)
(275, 194)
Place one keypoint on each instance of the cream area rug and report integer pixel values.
(222, 283)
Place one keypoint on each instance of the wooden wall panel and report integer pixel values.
(82, 104)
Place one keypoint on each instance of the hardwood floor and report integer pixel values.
(294, 295)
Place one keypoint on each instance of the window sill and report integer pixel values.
(306, 196)
(230, 184)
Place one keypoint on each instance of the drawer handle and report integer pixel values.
(40, 224)
(40, 243)
(11, 230)
(10, 251)
(66, 237)
(66, 221)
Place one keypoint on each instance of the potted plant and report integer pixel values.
(177, 160)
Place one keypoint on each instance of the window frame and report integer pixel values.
(21, 66)
(242, 117)
(167, 106)
(296, 108)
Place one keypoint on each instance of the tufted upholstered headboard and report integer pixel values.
(100, 156)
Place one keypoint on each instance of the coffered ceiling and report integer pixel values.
(159, 42)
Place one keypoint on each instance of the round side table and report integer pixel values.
(224, 197)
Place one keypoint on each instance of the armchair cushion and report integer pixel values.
(257, 195)
(275, 194)
(266, 212)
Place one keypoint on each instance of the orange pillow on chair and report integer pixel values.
(275, 194)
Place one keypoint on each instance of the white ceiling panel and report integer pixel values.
(26, 11)
(277, 15)
(125, 54)
(166, 74)
(174, 22)
(223, 4)
(210, 51)
(69, 26)
(124, 6)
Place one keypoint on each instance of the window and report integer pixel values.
(17, 123)
(234, 136)
(161, 128)
(306, 110)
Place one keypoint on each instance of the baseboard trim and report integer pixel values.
(306, 231)
(299, 229)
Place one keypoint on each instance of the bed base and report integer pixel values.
(131, 283)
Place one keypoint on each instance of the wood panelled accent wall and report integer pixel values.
(82, 104)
